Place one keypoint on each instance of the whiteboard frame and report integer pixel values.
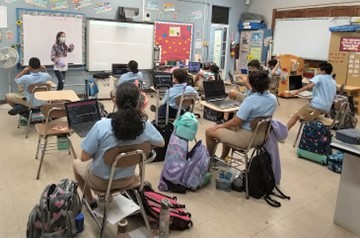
(303, 19)
(20, 39)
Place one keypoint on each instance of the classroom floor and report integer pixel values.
(312, 187)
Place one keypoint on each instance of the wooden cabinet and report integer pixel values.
(318, 12)
(291, 74)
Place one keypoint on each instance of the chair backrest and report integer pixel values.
(126, 156)
(185, 101)
(261, 129)
(54, 110)
(38, 87)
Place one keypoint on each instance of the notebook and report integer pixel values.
(82, 115)
(194, 67)
(215, 94)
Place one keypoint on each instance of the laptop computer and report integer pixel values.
(162, 80)
(194, 67)
(215, 94)
(82, 115)
(119, 69)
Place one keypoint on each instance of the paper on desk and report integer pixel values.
(118, 209)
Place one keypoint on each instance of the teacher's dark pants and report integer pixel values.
(60, 75)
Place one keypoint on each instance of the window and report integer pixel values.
(220, 15)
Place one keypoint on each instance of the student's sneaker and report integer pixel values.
(17, 109)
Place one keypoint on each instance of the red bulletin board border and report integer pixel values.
(174, 39)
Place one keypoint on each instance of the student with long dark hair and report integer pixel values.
(127, 126)
(59, 56)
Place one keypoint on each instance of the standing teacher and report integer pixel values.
(58, 55)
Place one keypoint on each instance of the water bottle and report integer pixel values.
(164, 222)
(122, 229)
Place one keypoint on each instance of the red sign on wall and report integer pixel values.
(350, 44)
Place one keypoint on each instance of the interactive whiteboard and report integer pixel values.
(38, 31)
(110, 42)
(308, 38)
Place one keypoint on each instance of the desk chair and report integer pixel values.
(52, 127)
(123, 157)
(33, 88)
(259, 137)
(187, 100)
(341, 109)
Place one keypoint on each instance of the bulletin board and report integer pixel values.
(174, 40)
(37, 31)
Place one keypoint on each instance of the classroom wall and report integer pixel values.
(183, 13)
(265, 8)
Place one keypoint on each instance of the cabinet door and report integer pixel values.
(341, 11)
(318, 12)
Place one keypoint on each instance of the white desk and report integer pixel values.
(347, 211)
(68, 95)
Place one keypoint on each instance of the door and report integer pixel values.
(219, 47)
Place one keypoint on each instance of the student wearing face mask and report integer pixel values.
(58, 55)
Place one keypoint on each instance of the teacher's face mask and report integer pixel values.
(62, 39)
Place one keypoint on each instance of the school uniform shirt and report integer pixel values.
(256, 105)
(101, 138)
(324, 92)
(277, 72)
(130, 76)
(172, 93)
(59, 52)
(32, 78)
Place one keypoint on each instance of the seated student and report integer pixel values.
(237, 131)
(127, 126)
(34, 73)
(179, 80)
(133, 73)
(234, 94)
(198, 79)
(213, 73)
(273, 68)
(324, 91)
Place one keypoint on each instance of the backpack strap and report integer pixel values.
(281, 194)
(271, 201)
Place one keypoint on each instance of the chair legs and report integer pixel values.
(28, 124)
(142, 210)
(38, 147)
(298, 133)
(42, 157)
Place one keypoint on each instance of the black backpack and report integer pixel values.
(262, 180)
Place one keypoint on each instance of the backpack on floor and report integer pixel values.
(183, 170)
(54, 216)
(180, 219)
(261, 179)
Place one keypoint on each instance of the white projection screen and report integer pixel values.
(110, 42)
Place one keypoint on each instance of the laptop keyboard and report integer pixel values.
(83, 128)
(225, 104)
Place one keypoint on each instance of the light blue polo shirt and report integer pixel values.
(130, 76)
(101, 138)
(172, 93)
(324, 92)
(32, 78)
(256, 105)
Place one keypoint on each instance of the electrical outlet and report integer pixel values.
(147, 16)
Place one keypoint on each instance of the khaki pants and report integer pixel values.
(16, 98)
(97, 183)
(308, 113)
(238, 137)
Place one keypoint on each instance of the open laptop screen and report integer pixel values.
(194, 67)
(214, 89)
(119, 69)
(82, 111)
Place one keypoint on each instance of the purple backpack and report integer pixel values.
(183, 170)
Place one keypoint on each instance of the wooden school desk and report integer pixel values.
(68, 95)
(347, 210)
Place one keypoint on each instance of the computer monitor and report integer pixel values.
(119, 69)
(295, 82)
(194, 67)
(162, 79)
